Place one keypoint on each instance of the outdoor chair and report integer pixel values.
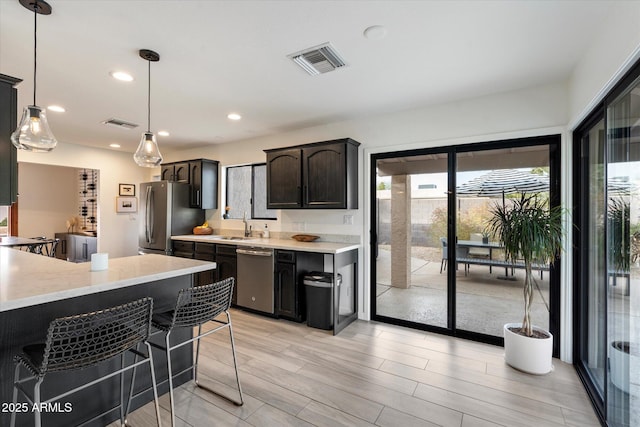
(461, 253)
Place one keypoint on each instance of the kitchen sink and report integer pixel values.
(231, 238)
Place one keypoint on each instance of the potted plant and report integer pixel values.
(531, 232)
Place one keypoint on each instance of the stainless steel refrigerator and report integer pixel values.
(165, 212)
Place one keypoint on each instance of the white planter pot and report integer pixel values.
(531, 355)
(619, 366)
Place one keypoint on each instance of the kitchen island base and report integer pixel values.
(27, 325)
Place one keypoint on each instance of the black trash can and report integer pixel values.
(319, 303)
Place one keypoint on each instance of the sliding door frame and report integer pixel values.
(553, 141)
(579, 268)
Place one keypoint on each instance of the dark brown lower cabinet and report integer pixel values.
(205, 252)
(290, 269)
(227, 266)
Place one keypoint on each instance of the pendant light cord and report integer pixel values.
(35, 48)
(149, 99)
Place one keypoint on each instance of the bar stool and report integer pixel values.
(194, 307)
(84, 340)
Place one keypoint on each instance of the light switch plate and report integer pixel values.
(347, 219)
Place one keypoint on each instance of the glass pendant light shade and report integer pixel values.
(33, 133)
(148, 153)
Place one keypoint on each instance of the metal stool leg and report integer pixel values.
(123, 421)
(235, 361)
(195, 365)
(36, 403)
(16, 377)
(153, 383)
(170, 374)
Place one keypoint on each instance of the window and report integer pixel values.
(247, 192)
(4, 220)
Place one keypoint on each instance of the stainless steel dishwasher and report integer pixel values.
(255, 279)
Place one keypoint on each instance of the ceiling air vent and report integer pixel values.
(319, 59)
(119, 123)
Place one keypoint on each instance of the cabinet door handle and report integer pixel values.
(195, 197)
(306, 195)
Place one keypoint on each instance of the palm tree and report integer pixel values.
(532, 231)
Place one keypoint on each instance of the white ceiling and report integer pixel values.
(224, 56)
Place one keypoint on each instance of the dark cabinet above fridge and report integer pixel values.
(323, 175)
(202, 177)
(8, 156)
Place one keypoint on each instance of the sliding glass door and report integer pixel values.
(623, 250)
(489, 294)
(607, 269)
(411, 251)
(591, 308)
(433, 267)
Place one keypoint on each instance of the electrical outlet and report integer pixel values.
(347, 219)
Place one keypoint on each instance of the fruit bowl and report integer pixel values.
(202, 230)
(304, 237)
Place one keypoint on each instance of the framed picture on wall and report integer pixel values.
(126, 204)
(127, 190)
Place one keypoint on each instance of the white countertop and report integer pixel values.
(29, 279)
(287, 244)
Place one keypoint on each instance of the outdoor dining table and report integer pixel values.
(479, 244)
(491, 246)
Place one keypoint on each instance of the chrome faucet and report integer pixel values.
(247, 227)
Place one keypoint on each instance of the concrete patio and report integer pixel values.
(484, 303)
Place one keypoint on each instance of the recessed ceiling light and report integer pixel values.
(114, 145)
(163, 133)
(121, 75)
(234, 116)
(375, 32)
(56, 108)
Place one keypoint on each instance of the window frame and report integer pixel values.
(253, 167)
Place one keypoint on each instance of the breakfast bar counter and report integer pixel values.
(35, 289)
(27, 280)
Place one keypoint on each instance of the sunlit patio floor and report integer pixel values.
(484, 302)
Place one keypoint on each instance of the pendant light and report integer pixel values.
(148, 153)
(33, 133)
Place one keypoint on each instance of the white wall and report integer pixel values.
(615, 47)
(117, 233)
(48, 198)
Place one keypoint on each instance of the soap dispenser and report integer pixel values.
(265, 233)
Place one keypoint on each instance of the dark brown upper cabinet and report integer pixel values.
(323, 175)
(8, 155)
(202, 177)
(175, 172)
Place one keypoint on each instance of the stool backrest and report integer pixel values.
(200, 304)
(86, 339)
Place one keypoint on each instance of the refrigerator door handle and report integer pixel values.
(148, 219)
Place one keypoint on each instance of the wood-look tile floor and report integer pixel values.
(371, 374)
